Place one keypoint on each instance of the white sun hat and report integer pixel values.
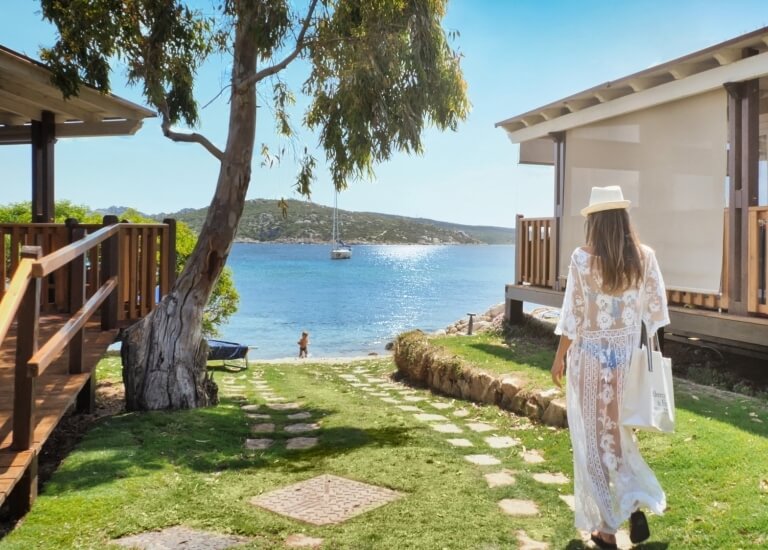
(605, 198)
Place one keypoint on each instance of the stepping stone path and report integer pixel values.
(480, 427)
(430, 417)
(439, 405)
(300, 428)
(250, 408)
(461, 413)
(446, 428)
(533, 456)
(570, 500)
(180, 537)
(301, 443)
(551, 479)
(265, 428)
(517, 507)
(283, 406)
(499, 479)
(255, 416)
(413, 398)
(409, 408)
(501, 442)
(258, 444)
(299, 416)
(482, 460)
(391, 400)
(460, 442)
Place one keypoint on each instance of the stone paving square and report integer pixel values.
(425, 417)
(413, 398)
(499, 479)
(265, 428)
(501, 442)
(527, 543)
(299, 428)
(250, 408)
(299, 416)
(480, 427)
(325, 499)
(460, 442)
(390, 400)
(303, 541)
(461, 413)
(274, 399)
(482, 460)
(533, 456)
(570, 500)
(516, 507)
(446, 428)
(380, 394)
(551, 479)
(409, 408)
(258, 444)
(256, 416)
(180, 537)
(296, 443)
(439, 405)
(283, 406)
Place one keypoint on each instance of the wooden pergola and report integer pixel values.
(34, 111)
(66, 288)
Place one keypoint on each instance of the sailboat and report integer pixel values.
(339, 250)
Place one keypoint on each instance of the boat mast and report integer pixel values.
(334, 231)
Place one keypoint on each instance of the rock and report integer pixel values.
(390, 346)
(509, 387)
(496, 310)
(545, 396)
(555, 414)
(518, 403)
(532, 410)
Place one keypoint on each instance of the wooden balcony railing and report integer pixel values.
(147, 259)
(757, 277)
(535, 251)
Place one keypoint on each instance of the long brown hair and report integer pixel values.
(615, 250)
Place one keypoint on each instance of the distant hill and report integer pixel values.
(307, 222)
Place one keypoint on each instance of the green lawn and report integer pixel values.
(138, 472)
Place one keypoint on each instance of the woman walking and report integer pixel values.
(614, 284)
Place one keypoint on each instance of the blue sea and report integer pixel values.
(354, 307)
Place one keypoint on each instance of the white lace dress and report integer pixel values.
(611, 479)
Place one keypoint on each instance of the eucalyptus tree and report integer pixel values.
(377, 72)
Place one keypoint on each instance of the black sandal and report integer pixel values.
(638, 527)
(603, 544)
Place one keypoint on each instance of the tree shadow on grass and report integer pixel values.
(205, 441)
(578, 544)
(521, 353)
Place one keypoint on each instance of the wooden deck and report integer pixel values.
(57, 391)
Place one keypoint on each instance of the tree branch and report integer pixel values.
(276, 68)
(193, 137)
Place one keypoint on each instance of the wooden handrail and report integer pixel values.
(58, 342)
(63, 256)
(10, 303)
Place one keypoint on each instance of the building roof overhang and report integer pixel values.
(742, 58)
(26, 91)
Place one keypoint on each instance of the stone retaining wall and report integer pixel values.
(424, 364)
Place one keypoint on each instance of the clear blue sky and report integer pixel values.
(518, 54)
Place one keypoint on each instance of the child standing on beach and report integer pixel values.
(303, 344)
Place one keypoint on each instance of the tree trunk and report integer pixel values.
(164, 354)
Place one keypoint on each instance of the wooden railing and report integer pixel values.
(757, 278)
(147, 255)
(535, 251)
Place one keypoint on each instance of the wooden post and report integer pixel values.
(170, 249)
(110, 258)
(27, 331)
(519, 249)
(43, 133)
(559, 140)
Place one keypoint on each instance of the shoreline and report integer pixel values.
(319, 360)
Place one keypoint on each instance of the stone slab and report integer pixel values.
(413, 398)
(441, 406)
(298, 443)
(299, 416)
(570, 500)
(501, 442)
(250, 408)
(527, 543)
(409, 408)
(460, 442)
(517, 507)
(325, 499)
(180, 537)
(283, 406)
(551, 479)
(480, 427)
(532, 456)
(482, 460)
(390, 400)
(461, 413)
(499, 479)
(264, 428)
(302, 427)
(258, 444)
(446, 428)
(426, 417)
(258, 416)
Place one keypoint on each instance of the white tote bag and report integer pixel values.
(648, 401)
